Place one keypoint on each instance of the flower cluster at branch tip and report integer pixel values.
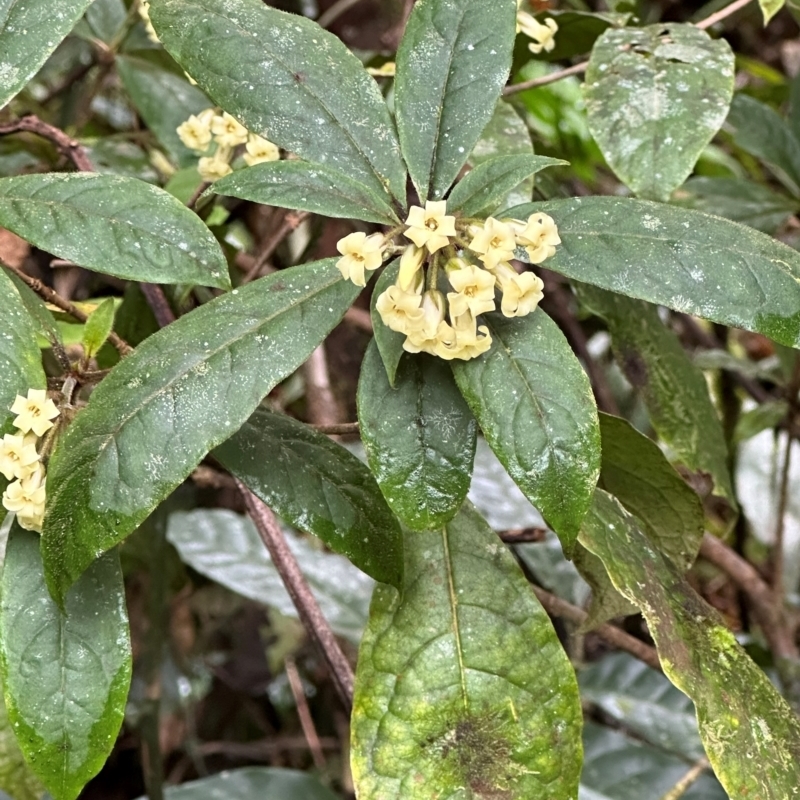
(226, 134)
(475, 257)
(543, 35)
(21, 463)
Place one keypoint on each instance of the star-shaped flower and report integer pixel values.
(494, 242)
(34, 412)
(18, 456)
(538, 235)
(430, 227)
(360, 252)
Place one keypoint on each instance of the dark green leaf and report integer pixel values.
(252, 783)
(35, 306)
(316, 485)
(655, 97)
(287, 79)
(636, 471)
(106, 18)
(16, 777)
(389, 342)
(451, 66)
(118, 226)
(761, 131)
(685, 260)
(182, 392)
(226, 547)
(743, 720)
(462, 688)
(762, 417)
(483, 187)
(606, 602)
(419, 438)
(535, 406)
(29, 32)
(97, 327)
(307, 187)
(163, 99)
(676, 395)
(66, 675)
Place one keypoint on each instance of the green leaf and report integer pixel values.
(655, 97)
(97, 327)
(29, 32)
(106, 18)
(638, 474)
(287, 79)
(389, 342)
(307, 187)
(762, 132)
(16, 777)
(316, 485)
(66, 675)
(462, 688)
(750, 734)
(535, 407)
(769, 8)
(452, 64)
(606, 602)
(252, 783)
(117, 226)
(419, 438)
(182, 392)
(675, 392)
(39, 313)
(678, 258)
(163, 99)
(226, 548)
(484, 187)
(764, 416)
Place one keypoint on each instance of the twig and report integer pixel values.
(624, 641)
(304, 601)
(523, 535)
(335, 11)
(50, 296)
(290, 222)
(721, 14)
(682, 786)
(190, 203)
(575, 69)
(65, 145)
(338, 429)
(359, 318)
(303, 712)
(321, 403)
(158, 303)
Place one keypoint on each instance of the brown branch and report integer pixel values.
(192, 201)
(338, 429)
(304, 601)
(65, 145)
(576, 69)
(291, 221)
(685, 783)
(523, 535)
(613, 635)
(304, 714)
(321, 403)
(721, 14)
(158, 303)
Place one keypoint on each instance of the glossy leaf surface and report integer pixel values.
(686, 260)
(287, 79)
(655, 97)
(316, 485)
(185, 390)
(451, 66)
(462, 687)
(389, 342)
(117, 226)
(535, 407)
(66, 676)
(39, 313)
(17, 780)
(419, 437)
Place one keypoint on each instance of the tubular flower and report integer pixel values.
(474, 290)
(400, 310)
(18, 456)
(543, 35)
(34, 413)
(494, 242)
(473, 339)
(359, 252)
(195, 133)
(213, 168)
(228, 131)
(260, 150)
(539, 236)
(410, 264)
(430, 227)
(25, 497)
(425, 332)
(521, 292)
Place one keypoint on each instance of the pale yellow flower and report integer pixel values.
(474, 289)
(445, 345)
(494, 242)
(18, 456)
(228, 131)
(473, 340)
(430, 227)
(425, 333)
(521, 292)
(543, 35)
(195, 133)
(539, 236)
(410, 264)
(144, 13)
(360, 252)
(260, 150)
(26, 497)
(212, 168)
(35, 412)
(400, 310)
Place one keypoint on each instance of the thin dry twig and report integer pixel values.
(335, 11)
(304, 713)
(307, 607)
(158, 303)
(722, 14)
(65, 145)
(338, 429)
(290, 222)
(321, 403)
(685, 783)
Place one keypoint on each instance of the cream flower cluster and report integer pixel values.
(476, 261)
(20, 461)
(543, 35)
(225, 133)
